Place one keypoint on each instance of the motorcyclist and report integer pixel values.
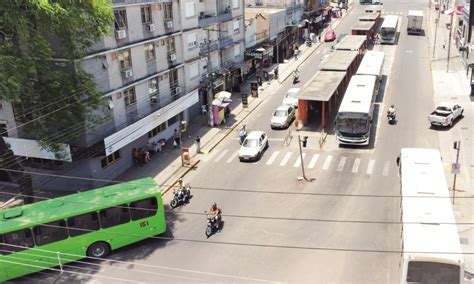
(392, 111)
(215, 212)
(243, 133)
(296, 75)
(180, 188)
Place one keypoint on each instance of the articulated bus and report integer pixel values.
(53, 232)
(431, 250)
(354, 117)
(388, 31)
(372, 64)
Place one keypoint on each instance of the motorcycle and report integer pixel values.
(181, 196)
(213, 224)
(295, 79)
(242, 135)
(309, 43)
(391, 117)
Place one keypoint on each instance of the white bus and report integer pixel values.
(431, 250)
(388, 31)
(354, 117)
(372, 64)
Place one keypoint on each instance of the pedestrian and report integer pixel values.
(296, 53)
(141, 157)
(135, 156)
(319, 37)
(204, 110)
(444, 44)
(147, 157)
(198, 144)
(177, 138)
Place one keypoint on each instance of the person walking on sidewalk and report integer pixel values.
(198, 144)
(177, 138)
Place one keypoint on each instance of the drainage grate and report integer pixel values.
(464, 128)
(464, 241)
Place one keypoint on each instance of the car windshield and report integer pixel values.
(291, 95)
(280, 113)
(443, 108)
(352, 124)
(388, 33)
(250, 143)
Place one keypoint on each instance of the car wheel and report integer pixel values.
(462, 114)
(451, 123)
(259, 156)
(98, 250)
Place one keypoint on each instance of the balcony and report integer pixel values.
(204, 48)
(209, 19)
(225, 42)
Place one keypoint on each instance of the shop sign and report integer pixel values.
(256, 55)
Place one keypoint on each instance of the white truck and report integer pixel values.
(445, 114)
(415, 22)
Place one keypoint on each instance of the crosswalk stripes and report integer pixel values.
(341, 164)
(355, 167)
(313, 161)
(217, 160)
(327, 163)
(386, 166)
(232, 157)
(272, 158)
(370, 168)
(298, 161)
(285, 159)
(211, 155)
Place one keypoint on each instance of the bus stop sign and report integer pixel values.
(455, 168)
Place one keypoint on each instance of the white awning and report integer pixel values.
(134, 131)
(31, 149)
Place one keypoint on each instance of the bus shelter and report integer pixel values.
(372, 17)
(324, 88)
(353, 43)
(373, 9)
(340, 60)
(364, 28)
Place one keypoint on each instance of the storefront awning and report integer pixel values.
(31, 149)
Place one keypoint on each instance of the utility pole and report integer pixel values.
(301, 157)
(436, 30)
(457, 147)
(210, 118)
(449, 41)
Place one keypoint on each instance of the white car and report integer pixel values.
(445, 114)
(283, 116)
(290, 97)
(254, 145)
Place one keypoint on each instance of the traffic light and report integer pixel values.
(305, 141)
(184, 126)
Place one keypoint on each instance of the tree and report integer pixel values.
(41, 45)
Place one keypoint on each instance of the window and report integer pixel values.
(143, 208)
(149, 51)
(17, 241)
(236, 50)
(3, 130)
(194, 70)
(235, 4)
(171, 45)
(153, 86)
(173, 76)
(114, 216)
(190, 9)
(125, 59)
(174, 119)
(192, 40)
(110, 159)
(50, 232)
(236, 26)
(157, 130)
(146, 14)
(168, 10)
(120, 19)
(129, 96)
(83, 224)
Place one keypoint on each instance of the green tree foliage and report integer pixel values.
(41, 45)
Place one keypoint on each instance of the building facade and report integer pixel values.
(150, 69)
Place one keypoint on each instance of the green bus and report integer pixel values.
(53, 232)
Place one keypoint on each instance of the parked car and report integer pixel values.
(445, 114)
(254, 145)
(291, 97)
(330, 36)
(283, 116)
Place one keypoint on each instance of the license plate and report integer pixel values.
(246, 158)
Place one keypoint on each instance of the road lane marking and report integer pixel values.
(318, 52)
(386, 167)
(285, 159)
(298, 161)
(272, 158)
(370, 168)
(356, 165)
(313, 161)
(341, 164)
(233, 156)
(327, 163)
(276, 139)
(221, 156)
(210, 156)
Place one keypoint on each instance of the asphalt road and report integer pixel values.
(280, 229)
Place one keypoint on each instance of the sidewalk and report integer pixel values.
(452, 85)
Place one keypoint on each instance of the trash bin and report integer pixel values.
(254, 89)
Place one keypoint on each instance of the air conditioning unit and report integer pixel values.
(178, 90)
(151, 27)
(173, 56)
(154, 99)
(169, 24)
(127, 73)
(120, 34)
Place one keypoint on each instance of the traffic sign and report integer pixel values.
(455, 168)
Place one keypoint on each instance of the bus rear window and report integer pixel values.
(50, 232)
(83, 224)
(432, 272)
(143, 208)
(17, 241)
(114, 216)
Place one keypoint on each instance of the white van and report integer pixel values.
(291, 97)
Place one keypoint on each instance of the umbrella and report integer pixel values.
(223, 94)
(221, 102)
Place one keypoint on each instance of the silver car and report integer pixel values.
(283, 116)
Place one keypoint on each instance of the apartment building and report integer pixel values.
(151, 70)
